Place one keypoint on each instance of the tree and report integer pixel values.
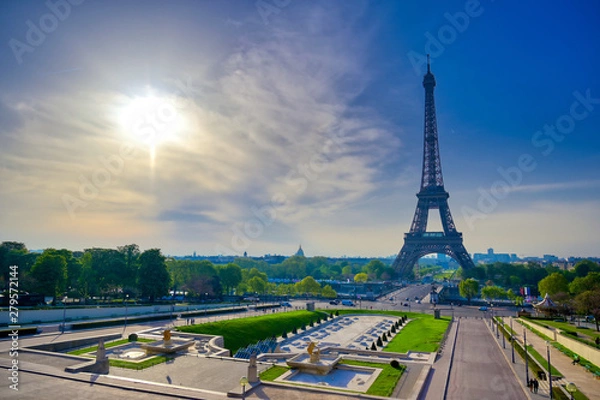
(493, 292)
(584, 267)
(308, 285)
(588, 303)
(329, 292)
(361, 277)
(153, 278)
(468, 288)
(552, 284)
(257, 284)
(131, 255)
(50, 272)
(583, 284)
(230, 275)
(374, 269)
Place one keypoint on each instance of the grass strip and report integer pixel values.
(387, 380)
(139, 365)
(107, 345)
(273, 373)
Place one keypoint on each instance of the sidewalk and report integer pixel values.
(518, 366)
(585, 381)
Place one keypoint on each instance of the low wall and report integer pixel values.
(69, 344)
(588, 352)
(551, 333)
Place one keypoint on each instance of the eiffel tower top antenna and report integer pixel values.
(428, 65)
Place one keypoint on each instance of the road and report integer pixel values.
(479, 369)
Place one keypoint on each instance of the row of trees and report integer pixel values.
(116, 273)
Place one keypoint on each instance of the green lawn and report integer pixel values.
(386, 381)
(383, 386)
(542, 360)
(423, 333)
(273, 373)
(565, 326)
(139, 365)
(241, 332)
(106, 346)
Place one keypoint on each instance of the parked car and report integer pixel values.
(348, 303)
(286, 304)
(334, 302)
(483, 308)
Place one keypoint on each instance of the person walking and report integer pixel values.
(536, 385)
(530, 385)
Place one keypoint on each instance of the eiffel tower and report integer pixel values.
(418, 242)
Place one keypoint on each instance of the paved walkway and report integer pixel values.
(479, 369)
(585, 381)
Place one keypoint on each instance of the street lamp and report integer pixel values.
(64, 301)
(512, 342)
(571, 388)
(549, 368)
(503, 340)
(126, 312)
(243, 383)
(526, 356)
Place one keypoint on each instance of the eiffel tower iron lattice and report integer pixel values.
(418, 242)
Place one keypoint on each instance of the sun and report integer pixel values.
(151, 121)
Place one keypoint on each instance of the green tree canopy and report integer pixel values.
(493, 292)
(50, 273)
(308, 285)
(153, 278)
(582, 284)
(553, 284)
(588, 303)
(361, 277)
(230, 275)
(329, 292)
(468, 288)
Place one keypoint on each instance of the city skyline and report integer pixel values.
(233, 126)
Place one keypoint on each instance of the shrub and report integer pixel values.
(312, 324)
(373, 347)
(384, 337)
(379, 342)
(132, 337)
(395, 364)
(284, 335)
(393, 329)
(337, 313)
(294, 331)
(331, 315)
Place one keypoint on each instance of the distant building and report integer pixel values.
(300, 252)
(490, 257)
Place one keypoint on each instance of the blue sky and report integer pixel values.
(232, 126)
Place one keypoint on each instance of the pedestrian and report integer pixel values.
(597, 341)
(536, 385)
(530, 385)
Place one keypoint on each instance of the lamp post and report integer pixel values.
(126, 312)
(243, 383)
(64, 301)
(549, 369)
(512, 342)
(503, 340)
(526, 356)
(571, 388)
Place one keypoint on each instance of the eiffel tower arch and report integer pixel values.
(432, 196)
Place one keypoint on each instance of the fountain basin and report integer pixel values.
(168, 346)
(323, 366)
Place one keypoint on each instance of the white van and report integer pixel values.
(348, 303)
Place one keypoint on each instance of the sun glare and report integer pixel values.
(151, 120)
